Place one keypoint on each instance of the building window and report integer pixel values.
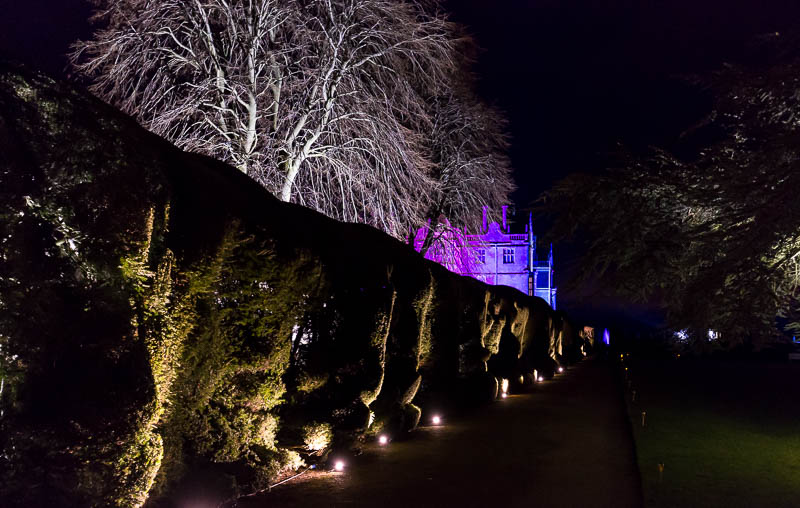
(542, 279)
(508, 256)
(482, 256)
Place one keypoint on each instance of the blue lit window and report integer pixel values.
(542, 279)
(482, 255)
(508, 256)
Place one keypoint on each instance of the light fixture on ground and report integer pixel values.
(561, 369)
(436, 420)
(541, 379)
(504, 395)
(338, 465)
(383, 439)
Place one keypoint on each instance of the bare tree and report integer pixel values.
(471, 166)
(323, 102)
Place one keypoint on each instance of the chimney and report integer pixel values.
(485, 219)
(505, 221)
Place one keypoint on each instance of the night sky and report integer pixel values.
(575, 77)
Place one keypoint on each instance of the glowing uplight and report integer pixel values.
(339, 465)
(383, 439)
(541, 379)
(504, 386)
(436, 420)
(504, 395)
(561, 369)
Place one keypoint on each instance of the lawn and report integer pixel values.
(727, 433)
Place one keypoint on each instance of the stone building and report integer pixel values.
(496, 256)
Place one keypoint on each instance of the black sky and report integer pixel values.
(577, 76)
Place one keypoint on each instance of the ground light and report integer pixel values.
(383, 439)
(338, 465)
(561, 369)
(436, 420)
(504, 395)
(541, 379)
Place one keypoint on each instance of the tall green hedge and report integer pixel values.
(167, 327)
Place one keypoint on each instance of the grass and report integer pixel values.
(728, 433)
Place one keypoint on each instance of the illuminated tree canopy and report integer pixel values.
(335, 105)
(710, 228)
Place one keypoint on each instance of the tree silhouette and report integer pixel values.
(711, 227)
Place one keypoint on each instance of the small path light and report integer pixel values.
(633, 396)
(338, 465)
(436, 420)
(560, 370)
(644, 418)
(383, 439)
(660, 472)
(503, 395)
(541, 379)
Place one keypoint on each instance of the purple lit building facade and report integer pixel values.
(496, 257)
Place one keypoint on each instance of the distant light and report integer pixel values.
(436, 420)
(521, 379)
(504, 386)
(561, 369)
(383, 439)
(339, 465)
(606, 337)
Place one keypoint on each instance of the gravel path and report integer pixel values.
(567, 444)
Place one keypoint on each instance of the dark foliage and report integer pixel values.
(707, 227)
(168, 329)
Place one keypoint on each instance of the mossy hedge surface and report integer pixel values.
(168, 329)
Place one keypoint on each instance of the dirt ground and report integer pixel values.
(567, 444)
